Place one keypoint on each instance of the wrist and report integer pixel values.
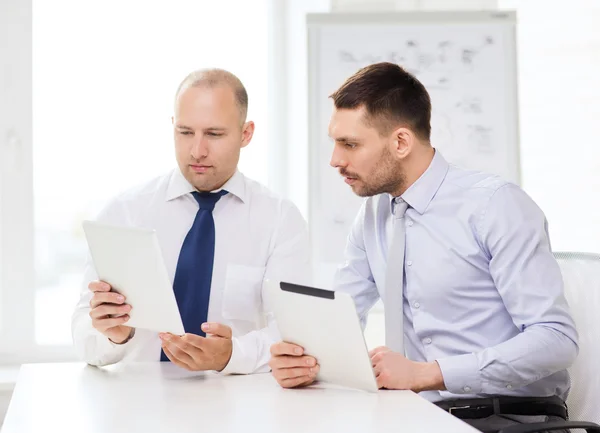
(129, 337)
(428, 377)
(227, 359)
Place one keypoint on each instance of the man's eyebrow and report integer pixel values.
(346, 139)
(210, 128)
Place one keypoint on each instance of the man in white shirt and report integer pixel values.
(220, 234)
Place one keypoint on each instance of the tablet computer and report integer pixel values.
(130, 260)
(327, 326)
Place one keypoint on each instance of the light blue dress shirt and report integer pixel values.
(483, 294)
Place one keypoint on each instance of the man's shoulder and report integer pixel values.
(141, 191)
(480, 192)
(469, 186)
(264, 197)
(269, 211)
(473, 184)
(474, 179)
(142, 194)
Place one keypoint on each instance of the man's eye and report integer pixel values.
(214, 134)
(186, 132)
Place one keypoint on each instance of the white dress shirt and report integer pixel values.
(258, 236)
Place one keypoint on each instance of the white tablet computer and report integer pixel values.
(130, 260)
(327, 326)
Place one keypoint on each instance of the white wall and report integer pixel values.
(296, 113)
(4, 402)
(559, 94)
(16, 216)
(15, 183)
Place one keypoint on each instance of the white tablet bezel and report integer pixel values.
(327, 326)
(130, 260)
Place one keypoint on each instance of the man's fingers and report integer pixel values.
(104, 310)
(107, 323)
(287, 361)
(292, 373)
(178, 353)
(286, 374)
(381, 380)
(295, 382)
(380, 349)
(188, 342)
(99, 286)
(376, 359)
(174, 359)
(283, 348)
(106, 298)
(217, 329)
(180, 346)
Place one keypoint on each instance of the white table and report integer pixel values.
(160, 397)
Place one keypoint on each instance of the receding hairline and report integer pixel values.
(215, 77)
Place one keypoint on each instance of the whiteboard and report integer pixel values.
(467, 62)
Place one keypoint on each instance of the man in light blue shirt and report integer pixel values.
(481, 298)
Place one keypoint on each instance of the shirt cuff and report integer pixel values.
(461, 374)
(237, 362)
(100, 351)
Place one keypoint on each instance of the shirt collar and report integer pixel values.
(419, 194)
(179, 185)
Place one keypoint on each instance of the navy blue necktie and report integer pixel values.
(195, 266)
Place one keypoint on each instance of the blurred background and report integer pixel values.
(86, 97)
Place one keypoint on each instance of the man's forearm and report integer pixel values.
(530, 356)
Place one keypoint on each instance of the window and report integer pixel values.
(104, 78)
(559, 108)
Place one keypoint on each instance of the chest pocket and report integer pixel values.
(242, 295)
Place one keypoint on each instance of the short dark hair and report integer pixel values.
(391, 97)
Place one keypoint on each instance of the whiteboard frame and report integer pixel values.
(315, 21)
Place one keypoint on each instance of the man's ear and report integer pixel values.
(247, 133)
(404, 142)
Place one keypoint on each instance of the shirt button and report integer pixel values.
(416, 305)
(509, 386)
(409, 263)
(467, 389)
(410, 223)
(427, 341)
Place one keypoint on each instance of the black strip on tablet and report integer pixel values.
(310, 291)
